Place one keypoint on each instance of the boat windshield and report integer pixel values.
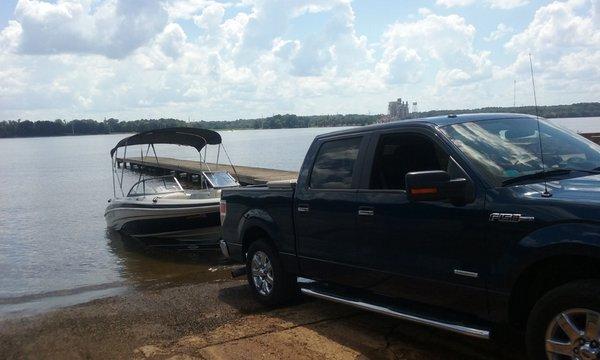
(153, 186)
(220, 179)
(507, 149)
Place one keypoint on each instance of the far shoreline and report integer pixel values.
(263, 128)
(131, 132)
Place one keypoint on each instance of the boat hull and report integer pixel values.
(183, 222)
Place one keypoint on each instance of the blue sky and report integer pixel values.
(214, 60)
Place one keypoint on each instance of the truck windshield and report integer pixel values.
(510, 148)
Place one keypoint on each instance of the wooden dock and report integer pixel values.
(246, 175)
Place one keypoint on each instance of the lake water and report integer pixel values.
(580, 125)
(54, 247)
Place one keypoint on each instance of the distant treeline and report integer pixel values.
(550, 111)
(26, 128)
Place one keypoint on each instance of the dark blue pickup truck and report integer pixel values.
(462, 222)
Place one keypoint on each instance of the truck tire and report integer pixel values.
(269, 282)
(565, 323)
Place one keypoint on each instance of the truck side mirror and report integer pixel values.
(435, 185)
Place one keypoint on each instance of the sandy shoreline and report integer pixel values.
(219, 320)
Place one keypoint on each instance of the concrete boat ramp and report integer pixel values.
(186, 168)
(220, 320)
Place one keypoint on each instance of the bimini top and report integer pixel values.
(197, 138)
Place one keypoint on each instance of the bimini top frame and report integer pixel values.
(197, 138)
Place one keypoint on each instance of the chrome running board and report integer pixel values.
(456, 328)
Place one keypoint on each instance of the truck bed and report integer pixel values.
(273, 201)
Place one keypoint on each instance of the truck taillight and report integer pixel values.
(223, 210)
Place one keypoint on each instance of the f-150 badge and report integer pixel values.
(510, 218)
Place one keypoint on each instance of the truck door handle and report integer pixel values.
(303, 208)
(366, 211)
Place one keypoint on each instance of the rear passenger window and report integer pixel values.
(334, 164)
(399, 154)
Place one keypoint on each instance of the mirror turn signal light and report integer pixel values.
(423, 191)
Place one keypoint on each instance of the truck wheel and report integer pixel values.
(565, 323)
(270, 284)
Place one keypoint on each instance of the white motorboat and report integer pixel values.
(158, 209)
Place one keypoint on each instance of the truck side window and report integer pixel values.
(334, 164)
(399, 154)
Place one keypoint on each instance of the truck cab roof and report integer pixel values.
(434, 121)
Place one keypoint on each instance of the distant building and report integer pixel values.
(397, 110)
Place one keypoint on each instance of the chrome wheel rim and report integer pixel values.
(262, 273)
(574, 334)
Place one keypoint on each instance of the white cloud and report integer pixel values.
(501, 31)
(337, 48)
(219, 61)
(506, 4)
(246, 63)
(443, 40)
(557, 28)
(267, 21)
(454, 3)
(172, 40)
(249, 36)
(114, 28)
(564, 39)
(187, 9)
(10, 36)
(494, 4)
(211, 16)
(401, 65)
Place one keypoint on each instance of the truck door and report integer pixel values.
(324, 208)
(424, 251)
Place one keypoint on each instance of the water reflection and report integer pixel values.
(138, 267)
(141, 265)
